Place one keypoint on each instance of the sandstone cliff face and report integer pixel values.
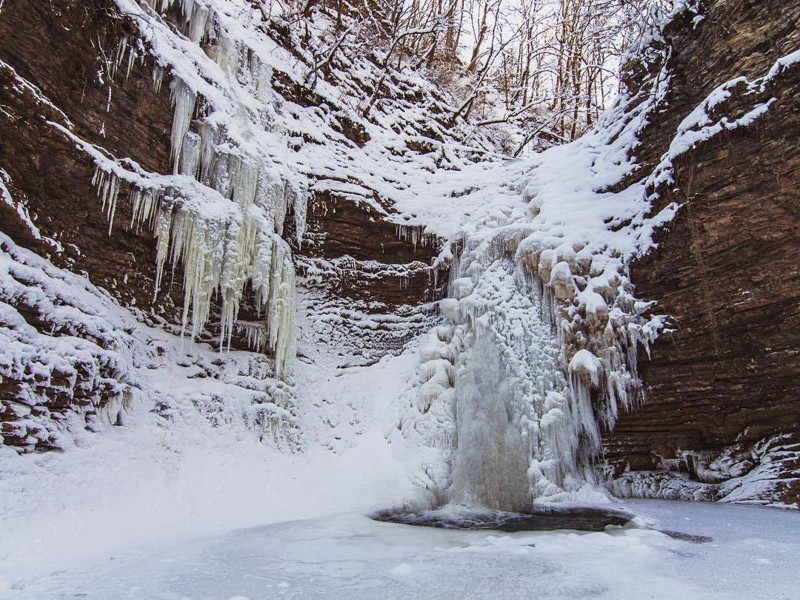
(724, 384)
(367, 290)
(56, 47)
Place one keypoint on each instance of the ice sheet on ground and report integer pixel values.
(754, 555)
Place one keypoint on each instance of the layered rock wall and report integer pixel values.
(723, 388)
(59, 69)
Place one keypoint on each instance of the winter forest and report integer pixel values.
(348, 299)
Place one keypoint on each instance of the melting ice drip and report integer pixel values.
(221, 214)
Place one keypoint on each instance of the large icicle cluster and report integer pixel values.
(78, 361)
(221, 215)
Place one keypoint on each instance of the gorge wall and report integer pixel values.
(723, 393)
(63, 70)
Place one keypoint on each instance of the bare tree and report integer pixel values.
(544, 69)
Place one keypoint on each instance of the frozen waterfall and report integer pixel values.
(517, 383)
(491, 459)
(516, 429)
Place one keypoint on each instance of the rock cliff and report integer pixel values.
(722, 387)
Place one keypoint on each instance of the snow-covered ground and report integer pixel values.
(754, 554)
(202, 470)
(193, 510)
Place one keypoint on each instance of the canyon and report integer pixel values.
(364, 228)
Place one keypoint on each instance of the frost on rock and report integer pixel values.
(714, 114)
(358, 331)
(759, 473)
(80, 363)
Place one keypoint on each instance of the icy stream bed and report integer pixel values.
(754, 554)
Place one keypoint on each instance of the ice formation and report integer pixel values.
(417, 236)
(524, 425)
(221, 215)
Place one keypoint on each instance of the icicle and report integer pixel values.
(244, 182)
(235, 271)
(280, 203)
(262, 80)
(190, 154)
(162, 229)
(416, 235)
(219, 249)
(188, 8)
(225, 53)
(107, 184)
(132, 56)
(300, 208)
(184, 100)
(158, 78)
(198, 20)
(219, 177)
(256, 335)
(122, 49)
(223, 255)
(260, 75)
(284, 326)
(145, 204)
(208, 153)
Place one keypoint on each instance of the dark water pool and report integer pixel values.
(544, 519)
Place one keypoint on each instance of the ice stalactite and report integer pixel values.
(417, 236)
(255, 333)
(107, 185)
(198, 18)
(184, 100)
(584, 371)
(220, 216)
(516, 438)
(126, 55)
(540, 295)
